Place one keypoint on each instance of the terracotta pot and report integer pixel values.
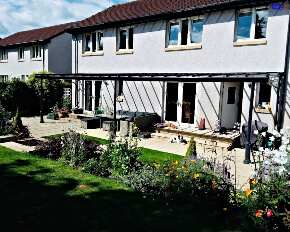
(61, 115)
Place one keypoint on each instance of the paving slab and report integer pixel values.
(17, 146)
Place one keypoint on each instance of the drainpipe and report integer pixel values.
(115, 106)
(286, 77)
(76, 68)
(247, 152)
(43, 63)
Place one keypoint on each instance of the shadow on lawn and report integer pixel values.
(28, 204)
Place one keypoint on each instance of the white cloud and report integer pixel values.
(21, 15)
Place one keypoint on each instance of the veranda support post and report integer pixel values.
(41, 100)
(247, 152)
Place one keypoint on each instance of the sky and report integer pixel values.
(22, 15)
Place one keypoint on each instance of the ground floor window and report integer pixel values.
(92, 95)
(3, 78)
(263, 94)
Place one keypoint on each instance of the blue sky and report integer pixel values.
(21, 15)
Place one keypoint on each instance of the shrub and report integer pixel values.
(4, 126)
(49, 149)
(191, 150)
(16, 93)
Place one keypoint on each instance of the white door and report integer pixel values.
(230, 104)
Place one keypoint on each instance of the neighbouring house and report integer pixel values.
(43, 49)
(225, 45)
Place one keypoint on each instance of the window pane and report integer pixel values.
(101, 41)
(94, 42)
(196, 33)
(173, 36)
(33, 52)
(130, 38)
(184, 32)
(261, 23)
(231, 95)
(122, 42)
(265, 93)
(87, 42)
(244, 25)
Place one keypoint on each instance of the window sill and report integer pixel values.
(93, 54)
(250, 42)
(21, 60)
(183, 48)
(124, 52)
(3, 61)
(262, 111)
(36, 59)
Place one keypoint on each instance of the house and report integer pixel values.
(43, 49)
(231, 43)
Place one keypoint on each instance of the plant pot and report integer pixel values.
(54, 117)
(143, 136)
(77, 111)
(61, 115)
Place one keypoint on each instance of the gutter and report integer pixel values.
(237, 4)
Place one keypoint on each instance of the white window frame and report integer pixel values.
(3, 78)
(190, 20)
(90, 45)
(38, 55)
(21, 52)
(3, 55)
(253, 23)
(127, 38)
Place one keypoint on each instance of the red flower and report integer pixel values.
(269, 213)
(154, 161)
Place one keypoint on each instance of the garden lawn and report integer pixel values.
(147, 154)
(39, 194)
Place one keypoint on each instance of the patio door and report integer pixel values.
(180, 103)
(230, 104)
(92, 96)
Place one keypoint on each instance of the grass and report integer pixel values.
(147, 156)
(39, 194)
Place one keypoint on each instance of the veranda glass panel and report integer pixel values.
(196, 32)
(244, 25)
(122, 44)
(173, 36)
(261, 23)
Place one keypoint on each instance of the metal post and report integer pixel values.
(247, 152)
(277, 104)
(115, 100)
(41, 100)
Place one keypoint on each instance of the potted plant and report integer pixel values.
(143, 135)
(53, 114)
(77, 110)
(62, 113)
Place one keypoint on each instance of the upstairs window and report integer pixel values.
(3, 54)
(185, 32)
(21, 53)
(125, 39)
(251, 24)
(93, 42)
(36, 52)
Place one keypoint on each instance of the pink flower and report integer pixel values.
(269, 213)
(259, 211)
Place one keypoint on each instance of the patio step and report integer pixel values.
(80, 116)
(229, 138)
(199, 141)
(18, 147)
(71, 120)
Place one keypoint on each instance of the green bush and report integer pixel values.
(191, 150)
(16, 93)
(52, 90)
(4, 116)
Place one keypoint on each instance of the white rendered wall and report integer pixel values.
(15, 68)
(218, 55)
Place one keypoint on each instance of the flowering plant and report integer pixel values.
(144, 133)
(268, 193)
(62, 110)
